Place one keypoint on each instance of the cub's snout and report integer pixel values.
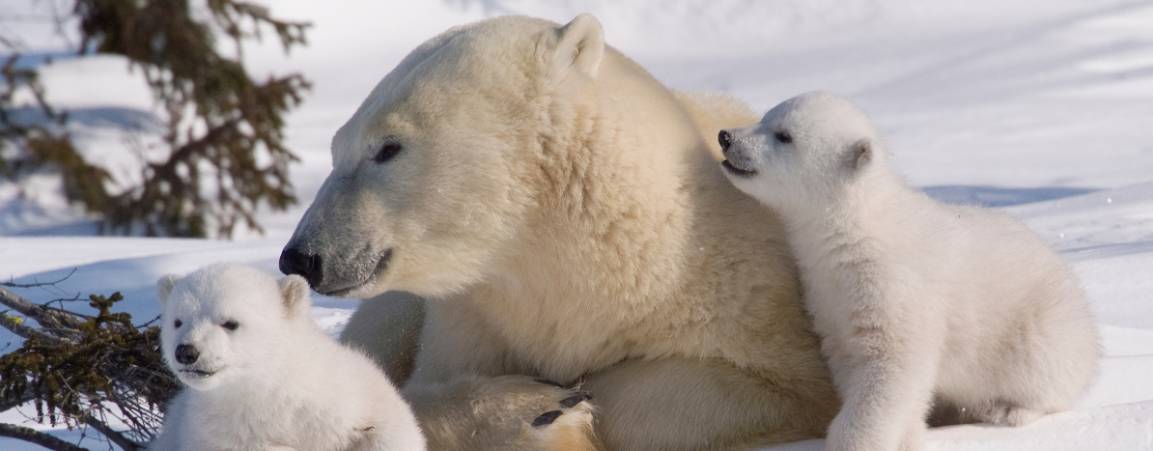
(736, 162)
(187, 354)
(726, 139)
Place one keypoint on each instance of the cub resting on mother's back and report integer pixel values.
(912, 299)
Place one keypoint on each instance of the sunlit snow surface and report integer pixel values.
(1040, 107)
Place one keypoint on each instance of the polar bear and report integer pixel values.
(262, 376)
(912, 298)
(560, 212)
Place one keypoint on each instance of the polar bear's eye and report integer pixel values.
(387, 151)
(230, 325)
(177, 323)
(783, 137)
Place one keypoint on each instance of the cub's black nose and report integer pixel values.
(725, 138)
(186, 354)
(309, 266)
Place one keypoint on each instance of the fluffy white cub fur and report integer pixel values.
(262, 376)
(919, 304)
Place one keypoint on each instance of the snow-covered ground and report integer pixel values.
(1041, 107)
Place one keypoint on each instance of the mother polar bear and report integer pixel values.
(563, 215)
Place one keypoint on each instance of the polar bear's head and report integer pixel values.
(429, 176)
(222, 322)
(804, 152)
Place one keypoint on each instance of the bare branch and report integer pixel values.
(11, 284)
(37, 437)
(113, 435)
(16, 302)
(16, 325)
(53, 320)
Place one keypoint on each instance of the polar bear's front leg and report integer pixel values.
(464, 401)
(503, 413)
(696, 404)
(388, 329)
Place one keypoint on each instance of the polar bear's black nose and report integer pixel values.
(725, 138)
(187, 354)
(309, 266)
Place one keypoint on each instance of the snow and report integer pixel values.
(1040, 107)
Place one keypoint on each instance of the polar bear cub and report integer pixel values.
(262, 376)
(917, 303)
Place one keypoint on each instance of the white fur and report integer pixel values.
(561, 212)
(277, 381)
(912, 298)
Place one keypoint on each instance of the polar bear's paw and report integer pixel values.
(506, 412)
(568, 426)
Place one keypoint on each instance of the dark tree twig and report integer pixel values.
(111, 434)
(11, 284)
(33, 436)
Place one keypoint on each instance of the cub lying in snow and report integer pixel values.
(263, 376)
(913, 299)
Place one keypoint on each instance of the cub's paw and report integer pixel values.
(506, 412)
(1004, 414)
(847, 433)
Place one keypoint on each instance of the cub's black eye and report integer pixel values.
(388, 151)
(177, 323)
(230, 325)
(783, 137)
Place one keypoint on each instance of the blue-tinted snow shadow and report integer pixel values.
(33, 60)
(1098, 251)
(135, 278)
(127, 119)
(994, 196)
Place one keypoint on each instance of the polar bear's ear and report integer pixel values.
(578, 45)
(860, 154)
(164, 287)
(294, 294)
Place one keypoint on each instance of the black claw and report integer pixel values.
(548, 382)
(573, 400)
(546, 418)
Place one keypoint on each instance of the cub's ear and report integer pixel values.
(164, 287)
(579, 45)
(860, 154)
(294, 294)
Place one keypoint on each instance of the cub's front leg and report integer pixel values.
(886, 381)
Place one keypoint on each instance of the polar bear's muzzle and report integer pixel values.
(334, 279)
